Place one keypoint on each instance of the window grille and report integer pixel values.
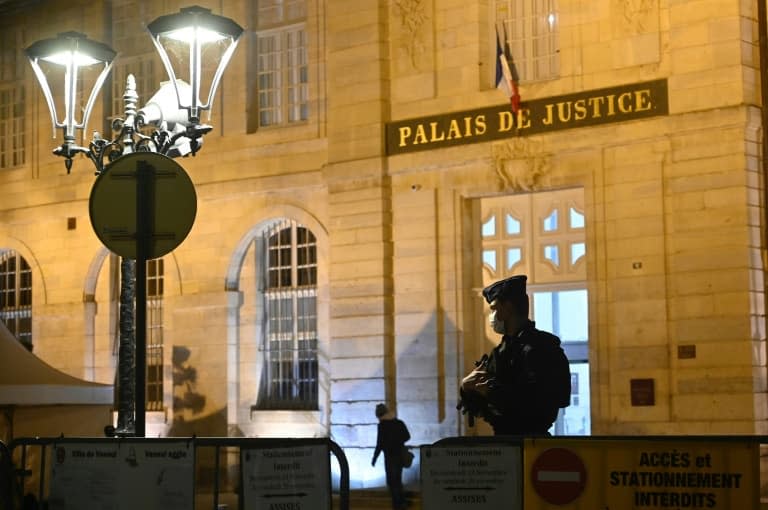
(531, 30)
(16, 296)
(290, 329)
(155, 288)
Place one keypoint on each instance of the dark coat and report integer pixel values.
(392, 435)
(530, 381)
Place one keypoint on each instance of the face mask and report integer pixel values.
(496, 324)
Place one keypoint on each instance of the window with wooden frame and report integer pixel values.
(280, 90)
(155, 289)
(16, 296)
(289, 345)
(530, 28)
(12, 99)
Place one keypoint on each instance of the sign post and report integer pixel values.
(619, 474)
(142, 206)
(559, 476)
(123, 475)
(464, 477)
(293, 477)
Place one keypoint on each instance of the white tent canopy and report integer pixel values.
(25, 379)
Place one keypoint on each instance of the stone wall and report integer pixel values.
(674, 214)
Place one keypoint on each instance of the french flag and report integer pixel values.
(506, 74)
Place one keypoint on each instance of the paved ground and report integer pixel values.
(369, 499)
(375, 500)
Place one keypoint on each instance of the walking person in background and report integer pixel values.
(391, 438)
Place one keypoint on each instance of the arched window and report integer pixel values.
(16, 296)
(288, 288)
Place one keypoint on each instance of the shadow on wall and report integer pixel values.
(210, 425)
(427, 374)
(187, 402)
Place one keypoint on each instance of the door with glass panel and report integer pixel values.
(542, 235)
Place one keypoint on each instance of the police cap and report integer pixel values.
(512, 288)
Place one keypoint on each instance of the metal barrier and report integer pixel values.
(217, 445)
(6, 478)
(593, 471)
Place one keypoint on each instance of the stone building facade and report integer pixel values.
(365, 178)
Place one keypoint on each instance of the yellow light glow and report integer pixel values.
(551, 19)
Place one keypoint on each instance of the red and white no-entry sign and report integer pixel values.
(558, 476)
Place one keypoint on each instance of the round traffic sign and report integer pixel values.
(143, 195)
(558, 476)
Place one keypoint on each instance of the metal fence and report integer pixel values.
(25, 466)
(595, 472)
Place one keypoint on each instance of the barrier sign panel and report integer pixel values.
(641, 474)
(485, 477)
(119, 475)
(296, 478)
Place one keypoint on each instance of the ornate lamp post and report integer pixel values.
(173, 114)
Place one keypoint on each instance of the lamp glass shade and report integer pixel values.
(64, 58)
(63, 65)
(195, 46)
(188, 34)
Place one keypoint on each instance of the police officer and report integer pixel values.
(520, 386)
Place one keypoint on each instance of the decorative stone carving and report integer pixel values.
(637, 15)
(521, 164)
(412, 18)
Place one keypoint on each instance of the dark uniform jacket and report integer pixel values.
(530, 381)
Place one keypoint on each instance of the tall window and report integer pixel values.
(281, 91)
(137, 54)
(155, 284)
(543, 235)
(531, 31)
(16, 296)
(290, 375)
(125, 17)
(563, 311)
(12, 127)
(143, 69)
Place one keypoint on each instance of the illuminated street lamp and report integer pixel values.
(196, 28)
(186, 38)
(71, 52)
